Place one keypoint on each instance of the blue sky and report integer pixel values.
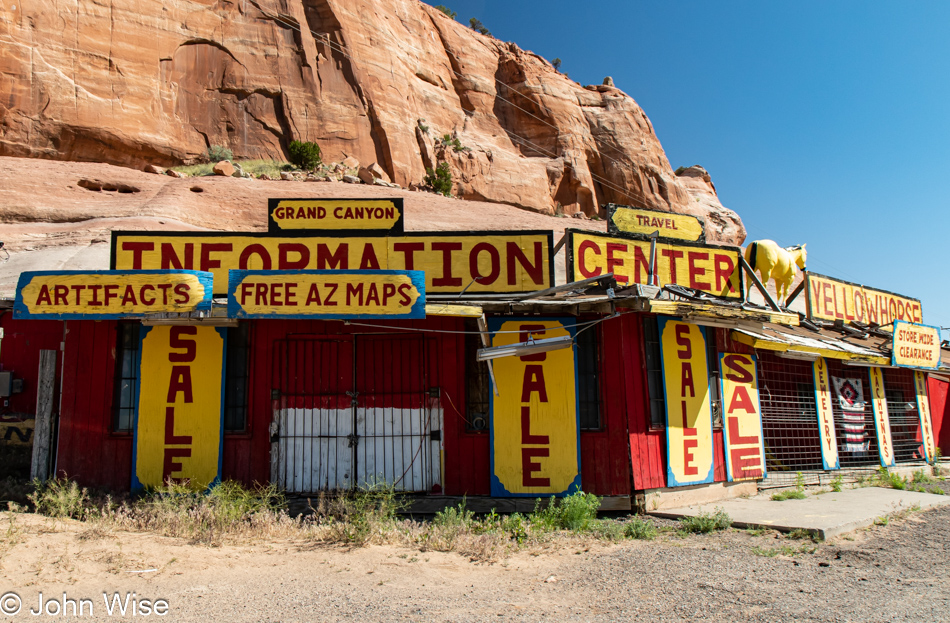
(820, 122)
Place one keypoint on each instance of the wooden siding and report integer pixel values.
(938, 391)
(20, 354)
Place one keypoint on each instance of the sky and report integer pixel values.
(826, 123)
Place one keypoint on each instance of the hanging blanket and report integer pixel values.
(851, 399)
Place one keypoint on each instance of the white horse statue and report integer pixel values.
(774, 262)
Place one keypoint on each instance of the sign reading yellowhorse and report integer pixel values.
(915, 345)
(643, 222)
(329, 294)
(367, 217)
(833, 299)
(110, 294)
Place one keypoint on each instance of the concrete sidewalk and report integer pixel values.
(828, 514)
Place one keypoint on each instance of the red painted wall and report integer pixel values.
(938, 391)
(20, 354)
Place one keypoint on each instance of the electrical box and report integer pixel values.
(6, 383)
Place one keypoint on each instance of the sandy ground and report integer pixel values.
(898, 572)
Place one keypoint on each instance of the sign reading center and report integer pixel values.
(331, 294)
(352, 216)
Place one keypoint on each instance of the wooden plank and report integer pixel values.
(43, 431)
(432, 504)
(457, 311)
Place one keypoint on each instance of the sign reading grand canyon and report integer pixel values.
(105, 294)
(477, 262)
(708, 268)
(915, 345)
(329, 294)
(832, 299)
(640, 221)
(367, 217)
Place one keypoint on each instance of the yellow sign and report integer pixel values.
(534, 422)
(882, 424)
(703, 267)
(369, 215)
(178, 424)
(831, 299)
(645, 222)
(688, 413)
(16, 432)
(826, 417)
(745, 448)
(66, 295)
(923, 410)
(481, 262)
(915, 346)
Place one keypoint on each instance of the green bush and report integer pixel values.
(556, 63)
(217, 153)
(305, 155)
(440, 180)
(448, 12)
(477, 26)
(639, 529)
(836, 483)
(60, 498)
(790, 494)
(574, 512)
(705, 523)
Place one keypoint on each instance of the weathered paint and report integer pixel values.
(178, 429)
(833, 299)
(882, 425)
(915, 345)
(534, 418)
(744, 444)
(923, 410)
(826, 419)
(645, 222)
(689, 437)
(357, 216)
(708, 268)
(67, 295)
(331, 294)
(16, 431)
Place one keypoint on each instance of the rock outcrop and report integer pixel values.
(393, 82)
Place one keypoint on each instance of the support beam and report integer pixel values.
(758, 284)
(43, 430)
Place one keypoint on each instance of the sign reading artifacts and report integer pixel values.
(915, 345)
(329, 294)
(476, 262)
(178, 433)
(745, 447)
(643, 222)
(366, 217)
(535, 443)
(105, 294)
(689, 439)
(832, 299)
(703, 267)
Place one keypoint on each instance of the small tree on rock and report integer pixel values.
(449, 12)
(478, 26)
(556, 63)
(305, 155)
(440, 180)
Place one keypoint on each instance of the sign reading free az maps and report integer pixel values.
(366, 217)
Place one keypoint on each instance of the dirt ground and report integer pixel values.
(897, 572)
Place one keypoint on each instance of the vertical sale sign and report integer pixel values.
(688, 412)
(826, 416)
(178, 432)
(534, 420)
(882, 424)
(745, 448)
(923, 410)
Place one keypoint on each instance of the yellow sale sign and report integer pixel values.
(178, 426)
(688, 413)
(534, 421)
(882, 425)
(826, 418)
(923, 410)
(745, 448)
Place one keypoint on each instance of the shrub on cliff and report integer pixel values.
(217, 153)
(449, 12)
(440, 180)
(478, 26)
(305, 155)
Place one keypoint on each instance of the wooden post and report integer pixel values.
(43, 429)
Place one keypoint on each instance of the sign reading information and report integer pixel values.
(105, 294)
(639, 221)
(367, 217)
(477, 262)
(703, 267)
(178, 431)
(915, 345)
(745, 448)
(329, 294)
(832, 299)
(882, 424)
(535, 445)
(826, 417)
(689, 442)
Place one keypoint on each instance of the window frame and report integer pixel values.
(478, 384)
(246, 329)
(593, 334)
(657, 372)
(118, 378)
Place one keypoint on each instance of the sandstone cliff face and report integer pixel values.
(133, 83)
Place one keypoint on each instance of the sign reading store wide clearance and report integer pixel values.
(709, 268)
(366, 217)
(833, 299)
(915, 345)
(639, 221)
(330, 294)
(67, 295)
(476, 262)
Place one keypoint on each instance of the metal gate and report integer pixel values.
(351, 411)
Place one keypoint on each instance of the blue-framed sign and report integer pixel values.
(915, 345)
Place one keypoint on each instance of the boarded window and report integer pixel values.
(588, 377)
(712, 365)
(477, 382)
(236, 379)
(651, 343)
(126, 377)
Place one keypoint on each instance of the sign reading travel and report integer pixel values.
(832, 299)
(178, 432)
(708, 268)
(689, 439)
(882, 424)
(105, 294)
(476, 262)
(915, 345)
(643, 222)
(745, 448)
(330, 294)
(923, 410)
(826, 416)
(535, 441)
(367, 217)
